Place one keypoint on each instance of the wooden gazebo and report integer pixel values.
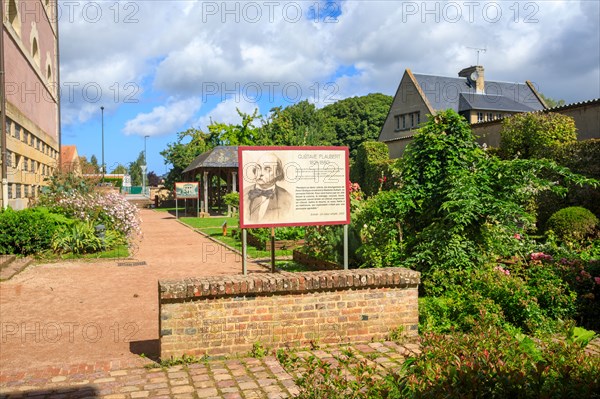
(209, 168)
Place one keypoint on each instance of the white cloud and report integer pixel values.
(182, 48)
(163, 120)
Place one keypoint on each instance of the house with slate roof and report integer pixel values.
(469, 94)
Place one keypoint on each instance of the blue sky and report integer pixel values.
(160, 67)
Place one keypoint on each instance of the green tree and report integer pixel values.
(87, 168)
(457, 206)
(180, 154)
(535, 135)
(245, 133)
(94, 163)
(357, 119)
(119, 170)
(135, 170)
(298, 124)
(551, 103)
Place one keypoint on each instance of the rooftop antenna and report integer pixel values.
(479, 50)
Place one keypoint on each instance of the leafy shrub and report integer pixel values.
(489, 362)
(535, 135)
(281, 233)
(28, 231)
(492, 363)
(572, 224)
(372, 167)
(232, 199)
(583, 277)
(109, 208)
(80, 238)
(527, 296)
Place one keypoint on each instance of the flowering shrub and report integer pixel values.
(492, 363)
(582, 277)
(488, 362)
(110, 209)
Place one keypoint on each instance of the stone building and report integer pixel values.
(29, 98)
(469, 94)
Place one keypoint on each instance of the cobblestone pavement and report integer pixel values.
(244, 378)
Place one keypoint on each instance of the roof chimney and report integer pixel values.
(474, 75)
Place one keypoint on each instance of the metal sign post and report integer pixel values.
(244, 247)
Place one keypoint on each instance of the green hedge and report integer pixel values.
(28, 231)
(372, 163)
(582, 157)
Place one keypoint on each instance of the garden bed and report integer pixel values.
(313, 263)
(279, 244)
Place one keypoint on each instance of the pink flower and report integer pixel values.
(517, 236)
(597, 280)
(540, 256)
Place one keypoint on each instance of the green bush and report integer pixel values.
(28, 231)
(572, 224)
(232, 199)
(80, 238)
(535, 135)
(372, 168)
(492, 363)
(489, 362)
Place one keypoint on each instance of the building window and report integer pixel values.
(35, 51)
(25, 164)
(418, 118)
(32, 164)
(498, 116)
(37, 144)
(397, 119)
(412, 120)
(10, 191)
(18, 194)
(490, 116)
(26, 190)
(480, 117)
(8, 126)
(13, 16)
(403, 121)
(8, 159)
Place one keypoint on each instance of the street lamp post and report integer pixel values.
(102, 109)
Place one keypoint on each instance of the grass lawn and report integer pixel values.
(213, 227)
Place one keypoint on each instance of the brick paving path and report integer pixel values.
(244, 378)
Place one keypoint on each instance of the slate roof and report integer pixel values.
(444, 92)
(491, 103)
(219, 157)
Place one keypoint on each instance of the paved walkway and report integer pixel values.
(100, 315)
(242, 378)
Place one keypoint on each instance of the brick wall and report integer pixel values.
(228, 314)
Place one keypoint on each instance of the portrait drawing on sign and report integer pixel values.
(266, 201)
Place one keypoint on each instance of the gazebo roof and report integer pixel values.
(219, 157)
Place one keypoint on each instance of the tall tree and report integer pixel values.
(298, 124)
(119, 170)
(135, 170)
(357, 119)
(152, 179)
(180, 154)
(94, 163)
(245, 133)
